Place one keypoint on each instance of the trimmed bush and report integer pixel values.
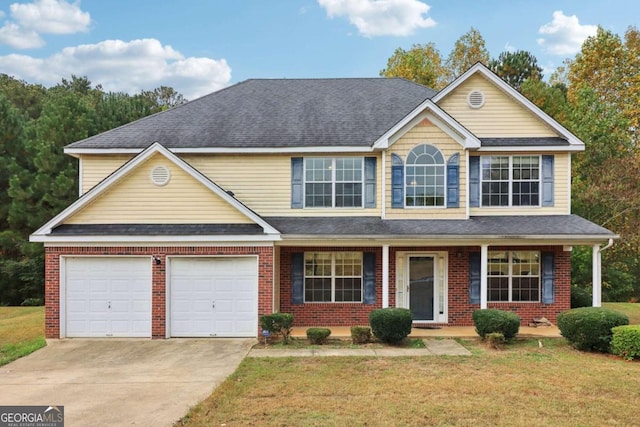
(318, 335)
(496, 340)
(278, 323)
(580, 297)
(360, 334)
(489, 320)
(589, 328)
(625, 341)
(391, 325)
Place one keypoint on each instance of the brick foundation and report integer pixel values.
(158, 298)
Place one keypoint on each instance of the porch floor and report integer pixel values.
(441, 332)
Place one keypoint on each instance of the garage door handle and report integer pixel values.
(213, 304)
(109, 304)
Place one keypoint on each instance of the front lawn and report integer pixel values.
(523, 385)
(630, 309)
(21, 332)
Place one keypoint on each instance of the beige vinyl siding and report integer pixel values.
(95, 168)
(500, 116)
(561, 196)
(426, 133)
(136, 200)
(263, 182)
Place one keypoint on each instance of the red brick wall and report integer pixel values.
(459, 309)
(158, 299)
(326, 314)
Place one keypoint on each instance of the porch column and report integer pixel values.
(484, 262)
(385, 276)
(597, 276)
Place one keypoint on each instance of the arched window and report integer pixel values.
(425, 177)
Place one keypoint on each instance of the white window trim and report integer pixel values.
(333, 280)
(333, 184)
(405, 174)
(511, 181)
(510, 278)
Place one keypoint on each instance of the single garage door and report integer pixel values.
(108, 297)
(214, 297)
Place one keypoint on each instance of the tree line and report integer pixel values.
(37, 180)
(596, 96)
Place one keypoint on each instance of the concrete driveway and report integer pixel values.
(121, 382)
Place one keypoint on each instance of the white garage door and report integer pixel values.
(108, 297)
(214, 297)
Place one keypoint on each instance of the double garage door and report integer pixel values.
(206, 297)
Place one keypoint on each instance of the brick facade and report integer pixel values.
(159, 280)
(459, 309)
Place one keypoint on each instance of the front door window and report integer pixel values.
(421, 287)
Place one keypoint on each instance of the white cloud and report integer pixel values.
(124, 66)
(381, 17)
(29, 20)
(508, 47)
(564, 35)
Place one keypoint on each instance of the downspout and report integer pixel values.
(597, 272)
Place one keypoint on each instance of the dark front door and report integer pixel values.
(421, 287)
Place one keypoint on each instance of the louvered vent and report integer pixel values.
(160, 175)
(475, 99)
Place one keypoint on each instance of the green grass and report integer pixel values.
(522, 385)
(630, 309)
(21, 332)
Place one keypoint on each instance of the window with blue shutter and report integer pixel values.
(548, 278)
(370, 182)
(297, 278)
(474, 277)
(297, 182)
(474, 182)
(453, 181)
(369, 277)
(547, 181)
(397, 182)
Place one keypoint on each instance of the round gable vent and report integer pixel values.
(475, 99)
(160, 175)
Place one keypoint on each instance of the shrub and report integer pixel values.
(391, 325)
(489, 321)
(318, 335)
(496, 340)
(589, 328)
(625, 341)
(360, 334)
(580, 297)
(278, 323)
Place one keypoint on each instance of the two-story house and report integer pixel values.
(324, 198)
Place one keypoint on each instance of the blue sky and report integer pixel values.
(198, 46)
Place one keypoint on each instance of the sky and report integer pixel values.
(200, 46)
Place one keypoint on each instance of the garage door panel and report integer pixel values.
(216, 288)
(108, 296)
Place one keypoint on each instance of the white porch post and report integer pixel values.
(385, 276)
(484, 262)
(597, 276)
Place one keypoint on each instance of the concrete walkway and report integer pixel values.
(434, 347)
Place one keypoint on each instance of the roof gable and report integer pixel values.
(134, 168)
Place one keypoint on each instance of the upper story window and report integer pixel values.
(425, 177)
(333, 182)
(510, 180)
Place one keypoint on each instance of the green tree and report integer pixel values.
(467, 50)
(421, 64)
(516, 67)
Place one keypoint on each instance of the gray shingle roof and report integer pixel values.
(503, 226)
(276, 113)
(524, 142)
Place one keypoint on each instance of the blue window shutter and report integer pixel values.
(297, 278)
(474, 182)
(297, 171)
(397, 182)
(548, 278)
(453, 181)
(474, 278)
(370, 182)
(369, 277)
(547, 180)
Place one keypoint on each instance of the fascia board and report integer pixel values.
(225, 150)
